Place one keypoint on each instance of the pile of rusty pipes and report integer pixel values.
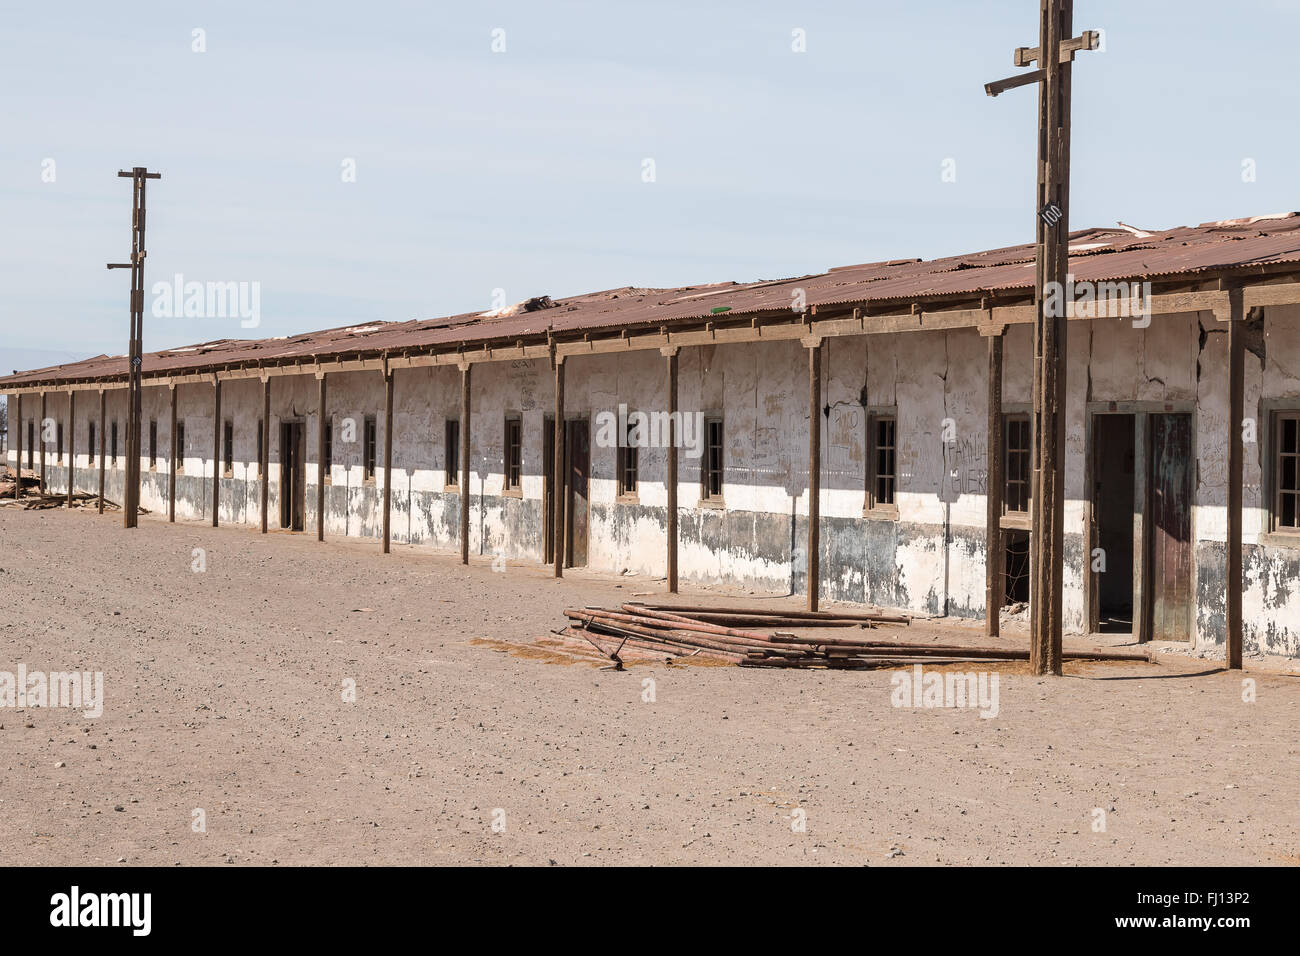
(730, 635)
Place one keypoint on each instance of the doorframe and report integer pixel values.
(286, 488)
(567, 490)
(1142, 571)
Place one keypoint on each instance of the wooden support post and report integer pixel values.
(464, 462)
(814, 471)
(388, 457)
(995, 581)
(1236, 459)
(40, 434)
(1052, 206)
(264, 453)
(673, 439)
(18, 474)
(177, 458)
(103, 441)
(72, 443)
(558, 485)
(216, 451)
(322, 424)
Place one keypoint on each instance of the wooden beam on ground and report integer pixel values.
(388, 459)
(464, 462)
(103, 442)
(72, 444)
(1236, 458)
(216, 451)
(176, 459)
(557, 486)
(671, 479)
(264, 453)
(322, 423)
(994, 581)
(814, 471)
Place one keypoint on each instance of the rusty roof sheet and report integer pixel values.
(1115, 253)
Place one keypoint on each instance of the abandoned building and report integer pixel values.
(908, 385)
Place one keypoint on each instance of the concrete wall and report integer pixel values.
(929, 557)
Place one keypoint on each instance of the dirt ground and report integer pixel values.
(224, 692)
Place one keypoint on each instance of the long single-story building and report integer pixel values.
(900, 391)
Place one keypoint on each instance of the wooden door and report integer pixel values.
(1170, 601)
(578, 447)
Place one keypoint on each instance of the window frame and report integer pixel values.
(873, 507)
(1276, 456)
(1008, 419)
(451, 454)
(369, 448)
(327, 453)
(153, 444)
(178, 452)
(708, 497)
(228, 449)
(514, 456)
(113, 459)
(627, 468)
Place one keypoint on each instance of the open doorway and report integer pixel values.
(293, 479)
(1114, 474)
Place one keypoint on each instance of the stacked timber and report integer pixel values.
(733, 635)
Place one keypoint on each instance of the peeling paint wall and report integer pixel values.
(929, 557)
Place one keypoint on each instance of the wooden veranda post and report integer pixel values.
(671, 480)
(994, 556)
(464, 462)
(814, 469)
(322, 468)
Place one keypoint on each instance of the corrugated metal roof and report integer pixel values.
(1120, 252)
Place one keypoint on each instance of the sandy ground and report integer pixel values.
(224, 693)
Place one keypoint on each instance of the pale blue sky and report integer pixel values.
(522, 170)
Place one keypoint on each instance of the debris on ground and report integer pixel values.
(682, 631)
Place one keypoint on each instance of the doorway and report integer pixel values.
(548, 484)
(293, 478)
(1114, 477)
(1169, 542)
(577, 446)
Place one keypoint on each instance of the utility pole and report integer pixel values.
(139, 175)
(1054, 55)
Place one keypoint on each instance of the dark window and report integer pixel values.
(261, 437)
(451, 441)
(153, 444)
(91, 444)
(711, 470)
(113, 445)
(514, 454)
(58, 443)
(178, 453)
(228, 450)
(31, 443)
(883, 461)
(1017, 478)
(1286, 497)
(370, 448)
(328, 456)
(627, 466)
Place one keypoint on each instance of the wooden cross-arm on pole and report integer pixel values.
(1024, 56)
